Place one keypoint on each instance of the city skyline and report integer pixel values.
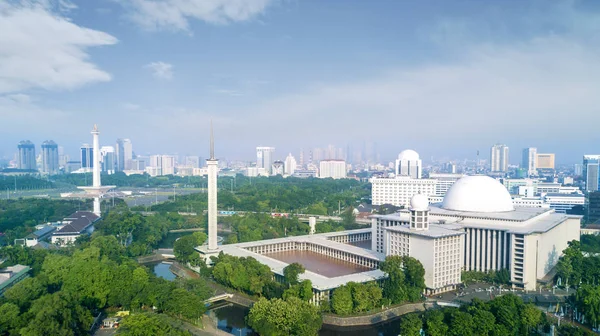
(256, 68)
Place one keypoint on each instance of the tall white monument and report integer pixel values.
(213, 168)
(97, 189)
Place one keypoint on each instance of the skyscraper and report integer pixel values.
(499, 158)
(264, 158)
(335, 169)
(590, 172)
(108, 159)
(124, 154)
(529, 160)
(49, 157)
(162, 165)
(26, 159)
(87, 157)
(290, 165)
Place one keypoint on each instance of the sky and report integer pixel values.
(445, 78)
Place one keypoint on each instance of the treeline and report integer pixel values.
(120, 179)
(18, 217)
(69, 290)
(276, 194)
(590, 243)
(501, 277)
(24, 182)
(504, 315)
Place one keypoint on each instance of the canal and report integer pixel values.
(232, 318)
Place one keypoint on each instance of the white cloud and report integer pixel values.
(161, 70)
(42, 49)
(175, 14)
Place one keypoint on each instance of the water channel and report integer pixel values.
(231, 318)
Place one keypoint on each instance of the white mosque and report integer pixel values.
(476, 227)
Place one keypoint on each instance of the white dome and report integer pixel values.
(478, 194)
(419, 202)
(408, 154)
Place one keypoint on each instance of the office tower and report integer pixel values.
(192, 161)
(124, 154)
(108, 159)
(590, 172)
(49, 157)
(162, 165)
(335, 169)
(277, 168)
(26, 157)
(499, 158)
(529, 160)
(87, 157)
(290, 165)
(264, 158)
(545, 161)
(409, 164)
(593, 208)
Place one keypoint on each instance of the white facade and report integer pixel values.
(264, 158)
(564, 202)
(526, 241)
(399, 190)
(290, 165)
(335, 169)
(409, 164)
(530, 202)
(529, 161)
(255, 171)
(499, 158)
(444, 182)
(277, 168)
(161, 165)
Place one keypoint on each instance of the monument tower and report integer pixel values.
(213, 168)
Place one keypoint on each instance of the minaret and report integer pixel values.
(419, 212)
(96, 190)
(213, 168)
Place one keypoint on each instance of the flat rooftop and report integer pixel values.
(318, 263)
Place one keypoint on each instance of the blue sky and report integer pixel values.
(446, 78)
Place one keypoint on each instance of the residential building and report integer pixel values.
(26, 156)
(409, 164)
(124, 155)
(525, 241)
(50, 157)
(335, 169)
(161, 165)
(499, 158)
(444, 182)
(398, 191)
(545, 161)
(290, 165)
(12, 275)
(529, 161)
(590, 172)
(264, 158)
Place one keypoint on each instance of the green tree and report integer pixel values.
(411, 325)
(9, 317)
(434, 323)
(284, 317)
(148, 324)
(24, 292)
(291, 273)
(341, 301)
(531, 317)
(461, 324)
(484, 322)
(184, 248)
(348, 217)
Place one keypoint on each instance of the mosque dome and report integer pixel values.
(478, 194)
(409, 155)
(419, 202)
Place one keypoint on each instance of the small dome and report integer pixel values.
(409, 155)
(419, 202)
(478, 194)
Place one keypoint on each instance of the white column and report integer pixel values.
(494, 245)
(473, 247)
(97, 211)
(96, 162)
(468, 256)
(507, 253)
(212, 203)
(484, 251)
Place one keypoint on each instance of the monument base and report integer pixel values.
(205, 253)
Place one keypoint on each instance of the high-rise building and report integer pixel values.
(26, 158)
(499, 158)
(409, 164)
(335, 169)
(264, 158)
(161, 165)
(108, 159)
(49, 157)
(399, 190)
(124, 154)
(529, 160)
(277, 168)
(590, 172)
(62, 157)
(192, 161)
(545, 161)
(87, 157)
(290, 165)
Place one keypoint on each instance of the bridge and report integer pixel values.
(158, 255)
(217, 298)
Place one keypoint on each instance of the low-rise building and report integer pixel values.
(10, 276)
(79, 223)
(36, 237)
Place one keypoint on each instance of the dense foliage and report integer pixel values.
(356, 298)
(184, 248)
(590, 243)
(277, 194)
(20, 216)
(501, 277)
(24, 182)
(291, 316)
(149, 324)
(505, 315)
(405, 279)
(119, 179)
(70, 289)
(243, 274)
